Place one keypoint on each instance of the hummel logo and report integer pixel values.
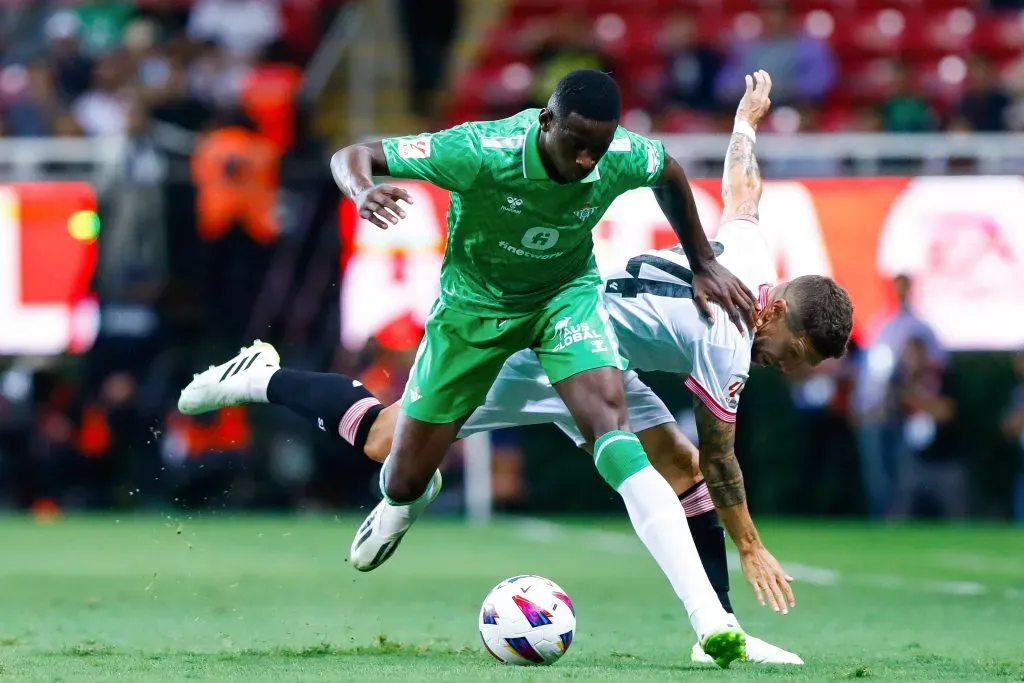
(320, 424)
(414, 394)
(512, 205)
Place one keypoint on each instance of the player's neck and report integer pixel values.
(545, 159)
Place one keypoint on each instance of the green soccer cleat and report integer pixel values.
(725, 645)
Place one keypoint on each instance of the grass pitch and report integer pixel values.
(272, 599)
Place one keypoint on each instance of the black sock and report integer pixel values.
(709, 537)
(337, 404)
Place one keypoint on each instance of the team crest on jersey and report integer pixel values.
(416, 148)
(732, 391)
(586, 212)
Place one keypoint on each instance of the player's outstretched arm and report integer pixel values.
(712, 282)
(353, 168)
(741, 179)
(724, 480)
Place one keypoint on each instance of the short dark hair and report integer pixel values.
(592, 94)
(821, 309)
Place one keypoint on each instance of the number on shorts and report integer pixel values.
(629, 287)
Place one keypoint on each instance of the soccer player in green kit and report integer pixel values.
(519, 273)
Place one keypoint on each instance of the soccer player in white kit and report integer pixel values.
(659, 328)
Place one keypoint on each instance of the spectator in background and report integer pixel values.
(905, 111)
(33, 111)
(214, 77)
(169, 17)
(984, 104)
(242, 27)
(72, 70)
(930, 458)
(1013, 430)
(567, 43)
(102, 24)
(235, 170)
(878, 430)
(690, 68)
(803, 68)
(268, 93)
(429, 28)
(103, 109)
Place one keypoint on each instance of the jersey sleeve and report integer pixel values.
(641, 162)
(449, 159)
(718, 376)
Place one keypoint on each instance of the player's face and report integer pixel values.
(573, 144)
(777, 346)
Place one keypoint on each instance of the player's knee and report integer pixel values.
(605, 412)
(674, 457)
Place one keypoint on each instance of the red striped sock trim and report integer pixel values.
(698, 501)
(349, 424)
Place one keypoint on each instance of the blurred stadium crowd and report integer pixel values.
(850, 65)
(223, 226)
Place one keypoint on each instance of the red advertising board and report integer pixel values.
(962, 238)
(46, 263)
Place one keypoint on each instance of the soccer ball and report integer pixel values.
(527, 620)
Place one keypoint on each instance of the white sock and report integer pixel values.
(259, 380)
(660, 522)
(396, 518)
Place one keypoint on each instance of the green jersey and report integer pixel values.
(515, 236)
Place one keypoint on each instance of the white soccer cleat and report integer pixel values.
(758, 651)
(243, 379)
(765, 653)
(383, 529)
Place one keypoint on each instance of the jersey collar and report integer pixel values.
(533, 167)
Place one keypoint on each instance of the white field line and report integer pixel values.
(619, 543)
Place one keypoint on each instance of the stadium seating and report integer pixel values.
(871, 39)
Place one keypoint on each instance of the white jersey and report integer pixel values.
(659, 326)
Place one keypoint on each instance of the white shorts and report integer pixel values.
(522, 395)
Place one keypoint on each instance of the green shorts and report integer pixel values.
(461, 354)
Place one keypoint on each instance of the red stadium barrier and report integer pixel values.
(962, 238)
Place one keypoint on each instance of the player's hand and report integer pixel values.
(756, 101)
(768, 579)
(712, 282)
(379, 205)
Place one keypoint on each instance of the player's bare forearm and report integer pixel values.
(741, 179)
(723, 476)
(741, 182)
(675, 196)
(353, 167)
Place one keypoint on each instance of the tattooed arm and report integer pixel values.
(723, 476)
(741, 184)
(741, 179)
(724, 479)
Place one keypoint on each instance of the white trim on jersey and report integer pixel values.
(512, 142)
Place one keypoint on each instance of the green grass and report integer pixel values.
(258, 599)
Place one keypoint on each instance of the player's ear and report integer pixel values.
(775, 311)
(545, 119)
